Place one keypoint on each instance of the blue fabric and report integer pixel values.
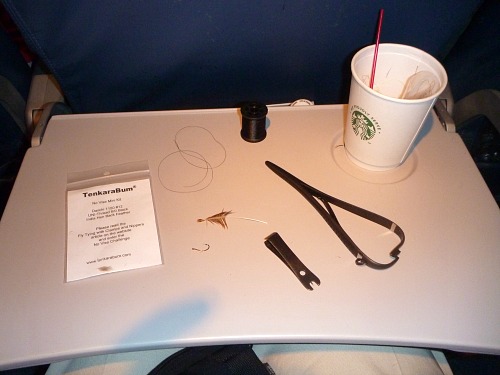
(13, 143)
(120, 55)
(474, 62)
(16, 71)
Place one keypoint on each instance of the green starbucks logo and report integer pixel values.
(362, 126)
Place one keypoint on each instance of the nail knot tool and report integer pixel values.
(278, 246)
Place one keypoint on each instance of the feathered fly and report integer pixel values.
(219, 219)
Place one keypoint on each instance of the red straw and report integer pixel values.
(375, 54)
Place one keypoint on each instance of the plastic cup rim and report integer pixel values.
(391, 98)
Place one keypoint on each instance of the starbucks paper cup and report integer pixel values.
(382, 123)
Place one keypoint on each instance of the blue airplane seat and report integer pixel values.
(124, 56)
(15, 76)
(473, 67)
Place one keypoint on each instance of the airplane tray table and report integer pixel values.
(223, 285)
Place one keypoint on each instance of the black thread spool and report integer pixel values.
(253, 127)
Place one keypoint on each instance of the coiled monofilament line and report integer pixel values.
(178, 170)
(253, 126)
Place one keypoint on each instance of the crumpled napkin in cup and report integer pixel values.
(420, 85)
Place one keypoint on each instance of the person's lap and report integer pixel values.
(289, 359)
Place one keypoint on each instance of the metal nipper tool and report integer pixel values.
(278, 246)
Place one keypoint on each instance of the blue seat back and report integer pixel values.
(13, 142)
(119, 55)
